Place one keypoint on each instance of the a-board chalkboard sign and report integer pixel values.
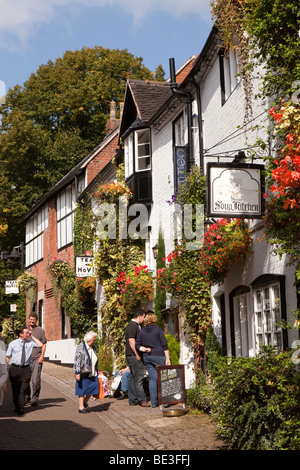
(171, 385)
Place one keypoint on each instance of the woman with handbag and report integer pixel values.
(86, 371)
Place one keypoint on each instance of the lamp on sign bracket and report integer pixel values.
(14, 257)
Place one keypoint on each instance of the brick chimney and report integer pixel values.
(113, 122)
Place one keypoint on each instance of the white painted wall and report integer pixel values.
(61, 350)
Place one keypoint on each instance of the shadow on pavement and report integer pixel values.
(31, 435)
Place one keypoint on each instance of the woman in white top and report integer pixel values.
(86, 370)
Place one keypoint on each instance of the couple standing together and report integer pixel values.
(148, 347)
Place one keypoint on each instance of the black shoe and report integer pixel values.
(134, 403)
(123, 396)
(83, 410)
(21, 412)
(34, 403)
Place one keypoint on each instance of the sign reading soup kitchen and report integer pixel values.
(235, 190)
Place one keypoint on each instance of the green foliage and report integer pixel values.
(282, 228)
(115, 259)
(159, 73)
(105, 358)
(193, 191)
(182, 277)
(273, 26)
(174, 349)
(160, 294)
(255, 401)
(77, 299)
(10, 327)
(83, 231)
(264, 32)
(28, 284)
(53, 121)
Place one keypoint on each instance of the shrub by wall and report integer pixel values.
(255, 402)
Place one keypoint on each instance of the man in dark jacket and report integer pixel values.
(136, 393)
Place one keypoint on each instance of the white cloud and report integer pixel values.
(20, 19)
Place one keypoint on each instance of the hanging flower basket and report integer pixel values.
(59, 268)
(135, 288)
(28, 284)
(225, 244)
(168, 277)
(111, 191)
(62, 275)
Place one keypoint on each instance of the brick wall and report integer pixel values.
(52, 318)
(99, 162)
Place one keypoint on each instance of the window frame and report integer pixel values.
(267, 330)
(229, 73)
(138, 146)
(34, 238)
(65, 209)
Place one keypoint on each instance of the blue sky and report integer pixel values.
(33, 31)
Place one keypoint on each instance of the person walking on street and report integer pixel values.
(37, 359)
(152, 342)
(19, 353)
(136, 393)
(3, 374)
(86, 371)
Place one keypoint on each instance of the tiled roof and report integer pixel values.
(148, 97)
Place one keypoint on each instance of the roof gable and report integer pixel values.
(142, 100)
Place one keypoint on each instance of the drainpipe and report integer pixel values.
(200, 125)
(189, 99)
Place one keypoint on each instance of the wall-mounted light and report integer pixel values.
(155, 251)
(208, 223)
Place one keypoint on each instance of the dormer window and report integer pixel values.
(142, 150)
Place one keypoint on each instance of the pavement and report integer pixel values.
(112, 425)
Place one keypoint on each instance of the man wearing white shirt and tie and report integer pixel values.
(18, 354)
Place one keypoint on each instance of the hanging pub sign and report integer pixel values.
(84, 267)
(180, 164)
(235, 190)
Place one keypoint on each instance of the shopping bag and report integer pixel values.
(105, 382)
(116, 382)
(101, 392)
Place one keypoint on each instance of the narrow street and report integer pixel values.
(112, 425)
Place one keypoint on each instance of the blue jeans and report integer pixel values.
(136, 393)
(151, 362)
(124, 381)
